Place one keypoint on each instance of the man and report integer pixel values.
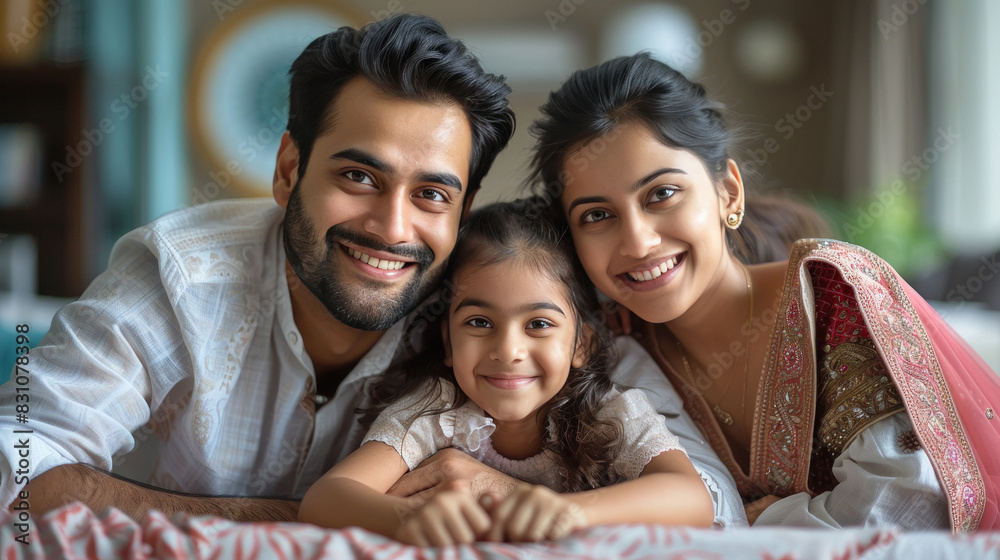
(227, 346)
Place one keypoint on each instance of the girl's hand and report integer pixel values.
(533, 513)
(448, 517)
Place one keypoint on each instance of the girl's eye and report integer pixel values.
(479, 323)
(539, 324)
(359, 177)
(661, 194)
(432, 195)
(595, 216)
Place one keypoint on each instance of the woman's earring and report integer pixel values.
(734, 220)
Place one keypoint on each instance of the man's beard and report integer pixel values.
(358, 304)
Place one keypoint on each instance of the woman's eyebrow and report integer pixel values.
(584, 200)
(652, 176)
(638, 185)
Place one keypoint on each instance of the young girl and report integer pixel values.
(522, 384)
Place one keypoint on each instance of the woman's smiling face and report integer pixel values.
(647, 222)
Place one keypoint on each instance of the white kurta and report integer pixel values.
(182, 365)
(880, 485)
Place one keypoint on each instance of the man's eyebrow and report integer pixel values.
(364, 158)
(446, 179)
(649, 178)
(538, 306)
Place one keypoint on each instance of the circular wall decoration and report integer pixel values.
(238, 104)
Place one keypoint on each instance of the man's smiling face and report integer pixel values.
(371, 223)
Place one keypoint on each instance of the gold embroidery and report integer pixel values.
(854, 393)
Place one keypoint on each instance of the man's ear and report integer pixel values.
(467, 204)
(447, 343)
(731, 194)
(286, 170)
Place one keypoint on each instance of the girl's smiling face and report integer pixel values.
(511, 339)
(647, 222)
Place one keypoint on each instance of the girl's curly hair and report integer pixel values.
(524, 232)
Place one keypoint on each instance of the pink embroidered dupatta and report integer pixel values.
(948, 390)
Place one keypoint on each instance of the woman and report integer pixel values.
(831, 390)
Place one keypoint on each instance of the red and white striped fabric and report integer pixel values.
(76, 532)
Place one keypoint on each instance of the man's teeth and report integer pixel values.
(372, 261)
(654, 272)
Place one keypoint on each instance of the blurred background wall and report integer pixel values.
(879, 112)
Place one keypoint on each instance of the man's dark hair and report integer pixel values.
(408, 56)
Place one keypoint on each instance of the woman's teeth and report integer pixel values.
(654, 272)
(372, 261)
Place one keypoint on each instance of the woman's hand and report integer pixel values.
(533, 513)
(448, 517)
(757, 507)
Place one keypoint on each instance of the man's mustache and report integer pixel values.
(422, 254)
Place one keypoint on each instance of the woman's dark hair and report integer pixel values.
(408, 56)
(594, 102)
(513, 232)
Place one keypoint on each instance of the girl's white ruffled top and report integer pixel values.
(416, 437)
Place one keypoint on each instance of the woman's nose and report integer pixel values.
(638, 237)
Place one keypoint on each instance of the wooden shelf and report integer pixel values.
(51, 98)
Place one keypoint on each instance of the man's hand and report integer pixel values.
(757, 507)
(99, 490)
(451, 469)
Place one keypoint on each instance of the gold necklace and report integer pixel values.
(723, 416)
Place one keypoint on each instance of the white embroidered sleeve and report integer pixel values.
(880, 485)
(413, 435)
(89, 385)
